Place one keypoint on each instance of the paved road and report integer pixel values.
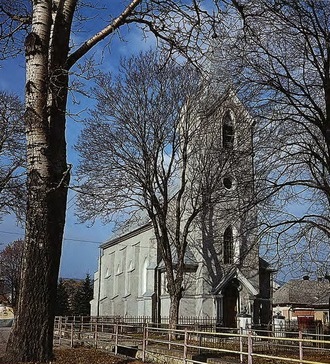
(4, 335)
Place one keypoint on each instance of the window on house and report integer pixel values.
(228, 246)
(228, 132)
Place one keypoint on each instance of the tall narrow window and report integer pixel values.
(128, 278)
(116, 282)
(228, 132)
(228, 246)
(163, 282)
(144, 276)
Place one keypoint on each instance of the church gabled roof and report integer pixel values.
(122, 237)
(235, 273)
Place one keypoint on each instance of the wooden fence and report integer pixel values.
(149, 343)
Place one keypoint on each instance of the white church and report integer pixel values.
(224, 276)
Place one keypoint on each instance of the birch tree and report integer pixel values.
(45, 27)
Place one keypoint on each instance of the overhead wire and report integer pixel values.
(69, 239)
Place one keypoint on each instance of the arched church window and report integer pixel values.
(228, 132)
(228, 246)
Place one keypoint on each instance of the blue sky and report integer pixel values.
(81, 241)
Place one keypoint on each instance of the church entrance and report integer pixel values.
(230, 304)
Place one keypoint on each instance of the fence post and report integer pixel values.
(59, 331)
(200, 343)
(300, 347)
(71, 340)
(185, 346)
(116, 338)
(250, 343)
(241, 345)
(95, 335)
(144, 338)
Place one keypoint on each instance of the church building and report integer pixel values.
(224, 276)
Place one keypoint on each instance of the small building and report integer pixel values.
(303, 300)
(6, 314)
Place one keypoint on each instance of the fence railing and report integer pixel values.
(148, 343)
(183, 321)
(198, 323)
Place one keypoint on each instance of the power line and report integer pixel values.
(68, 239)
(84, 241)
(10, 232)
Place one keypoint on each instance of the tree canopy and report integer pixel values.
(134, 155)
(74, 296)
(82, 298)
(47, 30)
(150, 152)
(12, 155)
(279, 61)
(10, 270)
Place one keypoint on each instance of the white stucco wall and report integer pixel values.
(126, 276)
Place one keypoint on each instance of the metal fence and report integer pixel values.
(190, 322)
(198, 323)
(149, 343)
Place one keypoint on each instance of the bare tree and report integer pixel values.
(46, 27)
(134, 156)
(10, 269)
(148, 152)
(12, 155)
(278, 57)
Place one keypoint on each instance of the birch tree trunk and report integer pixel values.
(47, 64)
(48, 177)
